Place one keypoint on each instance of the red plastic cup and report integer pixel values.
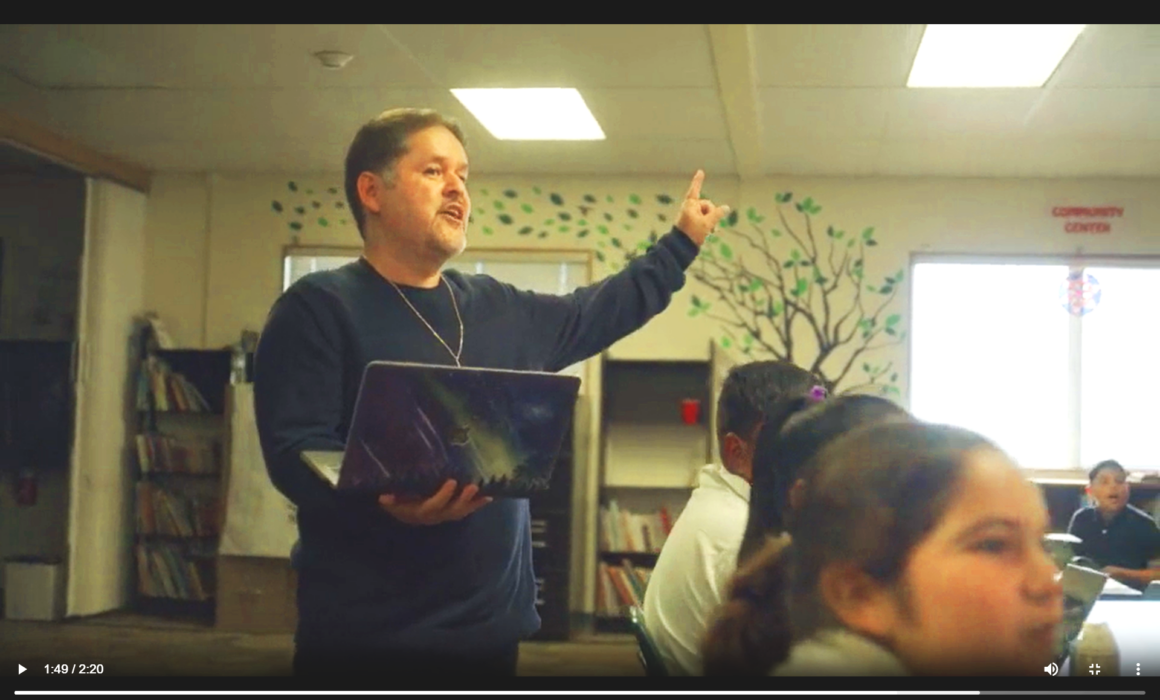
(690, 411)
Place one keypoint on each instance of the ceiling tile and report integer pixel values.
(820, 156)
(552, 55)
(823, 113)
(658, 113)
(935, 113)
(835, 55)
(1111, 113)
(1112, 55)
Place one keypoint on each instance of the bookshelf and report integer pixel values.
(652, 450)
(180, 447)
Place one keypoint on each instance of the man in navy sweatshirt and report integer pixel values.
(402, 587)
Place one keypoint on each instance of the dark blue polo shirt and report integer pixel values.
(1129, 540)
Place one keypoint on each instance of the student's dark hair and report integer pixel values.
(781, 455)
(759, 392)
(1106, 464)
(872, 495)
(380, 143)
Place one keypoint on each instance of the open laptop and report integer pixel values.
(415, 426)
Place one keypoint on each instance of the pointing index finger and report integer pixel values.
(695, 187)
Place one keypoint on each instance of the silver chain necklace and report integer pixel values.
(454, 355)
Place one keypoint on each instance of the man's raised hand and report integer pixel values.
(698, 216)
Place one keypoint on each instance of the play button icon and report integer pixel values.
(20, 669)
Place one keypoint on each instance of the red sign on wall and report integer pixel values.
(1088, 220)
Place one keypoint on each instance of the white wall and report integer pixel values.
(101, 520)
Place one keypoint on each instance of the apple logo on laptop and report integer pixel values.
(459, 436)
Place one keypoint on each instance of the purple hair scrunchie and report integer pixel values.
(817, 394)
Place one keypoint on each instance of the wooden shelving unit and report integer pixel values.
(650, 460)
(181, 445)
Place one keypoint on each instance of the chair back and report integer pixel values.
(650, 656)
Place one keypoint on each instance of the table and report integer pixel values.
(1114, 590)
(1135, 624)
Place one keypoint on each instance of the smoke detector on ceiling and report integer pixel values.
(333, 60)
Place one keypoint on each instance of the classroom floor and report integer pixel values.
(134, 645)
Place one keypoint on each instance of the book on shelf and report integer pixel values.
(624, 531)
(166, 390)
(162, 512)
(620, 587)
(164, 571)
(164, 453)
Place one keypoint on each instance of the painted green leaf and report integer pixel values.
(277, 206)
(628, 227)
(300, 210)
(798, 206)
(590, 199)
(751, 213)
(549, 222)
(635, 199)
(487, 231)
(505, 219)
(510, 194)
(795, 254)
(894, 377)
(808, 203)
(653, 237)
(543, 234)
(830, 231)
(775, 233)
(556, 199)
(607, 216)
(662, 218)
(615, 242)
(805, 263)
(602, 229)
(323, 222)
(309, 191)
(525, 230)
(564, 216)
(902, 335)
(867, 323)
(332, 190)
(343, 222)
(498, 205)
(838, 235)
(868, 233)
(898, 276)
(726, 251)
(815, 209)
(608, 199)
(633, 213)
(565, 228)
(536, 190)
(821, 280)
(893, 319)
(293, 186)
(483, 192)
(850, 243)
(871, 242)
(295, 226)
(866, 367)
(787, 264)
(887, 289)
(890, 331)
(747, 339)
(893, 390)
(582, 234)
(316, 205)
(693, 312)
(581, 222)
(732, 219)
(802, 285)
(339, 205)
(889, 280)
(726, 342)
(600, 256)
(664, 199)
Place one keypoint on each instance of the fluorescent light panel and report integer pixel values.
(531, 114)
(990, 55)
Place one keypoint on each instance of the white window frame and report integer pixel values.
(1076, 262)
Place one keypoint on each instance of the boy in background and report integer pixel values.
(1116, 535)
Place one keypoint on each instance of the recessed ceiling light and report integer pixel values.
(990, 55)
(532, 114)
(333, 60)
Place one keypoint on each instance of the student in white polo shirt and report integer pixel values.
(700, 554)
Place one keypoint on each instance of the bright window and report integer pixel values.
(996, 348)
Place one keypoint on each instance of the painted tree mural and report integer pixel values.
(771, 282)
